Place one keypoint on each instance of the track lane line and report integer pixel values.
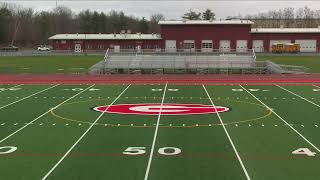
(43, 115)
(298, 95)
(229, 137)
(296, 131)
(155, 135)
(29, 96)
(82, 136)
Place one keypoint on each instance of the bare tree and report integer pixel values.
(154, 27)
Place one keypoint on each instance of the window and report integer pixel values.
(206, 45)
(188, 45)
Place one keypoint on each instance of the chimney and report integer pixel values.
(128, 31)
(281, 26)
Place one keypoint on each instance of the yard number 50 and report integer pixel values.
(167, 151)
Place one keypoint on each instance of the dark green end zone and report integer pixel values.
(270, 132)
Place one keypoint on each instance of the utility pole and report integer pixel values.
(15, 32)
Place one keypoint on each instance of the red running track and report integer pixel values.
(159, 79)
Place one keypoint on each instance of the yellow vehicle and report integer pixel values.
(277, 48)
(285, 48)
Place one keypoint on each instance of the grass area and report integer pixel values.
(80, 64)
(62, 143)
(47, 64)
(311, 62)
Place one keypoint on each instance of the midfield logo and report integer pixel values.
(165, 109)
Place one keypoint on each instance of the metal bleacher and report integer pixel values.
(160, 61)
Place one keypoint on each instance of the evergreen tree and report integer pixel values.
(191, 15)
(208, 14)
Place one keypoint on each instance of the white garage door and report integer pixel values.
(225, 45)
(242, 45)
(278, 41)
(257, 45)
(171, 46)
(307, 45)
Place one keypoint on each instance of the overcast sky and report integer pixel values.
(171, 9)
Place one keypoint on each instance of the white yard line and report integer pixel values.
(42, 115)
(304, 138)
(298, 96)
(229, 137)
(155, 135)
(315, 86)
(28, 96)
(81, 137)
(13, 87)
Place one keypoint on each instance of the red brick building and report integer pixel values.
(222, 35)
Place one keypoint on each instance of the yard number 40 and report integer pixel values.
(167, 151)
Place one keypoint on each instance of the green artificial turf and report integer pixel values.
(51, 127)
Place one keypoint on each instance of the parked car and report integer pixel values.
(10, 48)
(43, 48)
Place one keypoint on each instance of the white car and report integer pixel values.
(43, 48)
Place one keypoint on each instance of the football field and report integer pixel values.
(159, 132)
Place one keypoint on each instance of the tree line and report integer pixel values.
(287, 18)
(27, 27)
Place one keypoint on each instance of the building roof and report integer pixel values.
(285, 30)
(188, 22)
(105, 36)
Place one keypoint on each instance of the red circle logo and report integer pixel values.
(165, 109)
